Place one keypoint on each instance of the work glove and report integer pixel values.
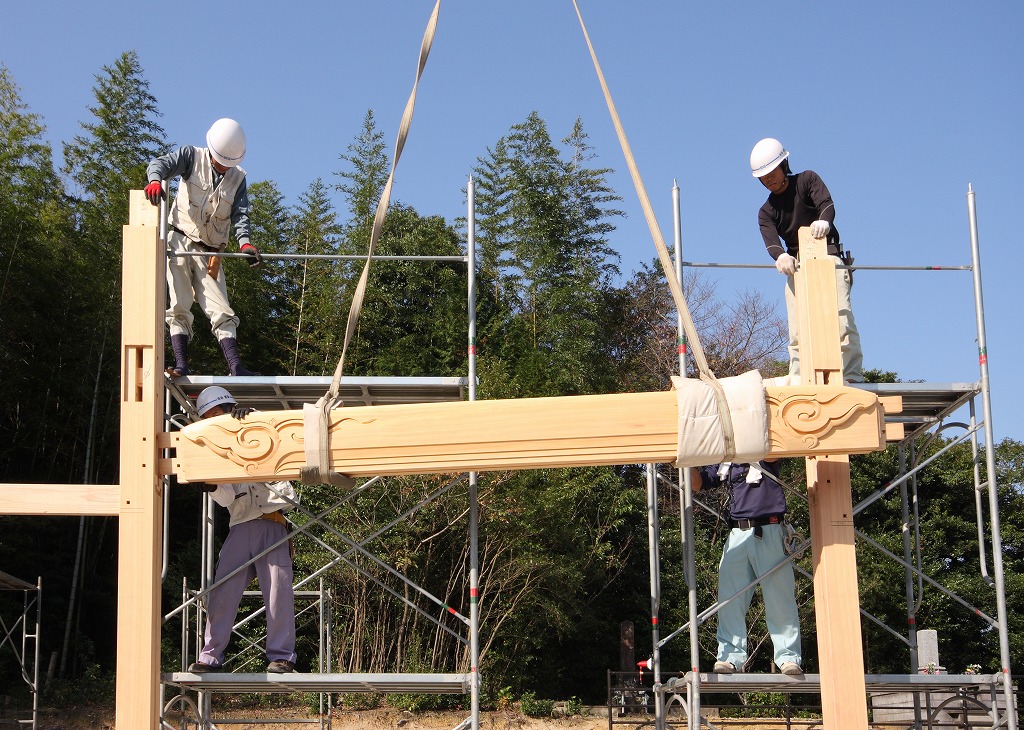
(154, 192)
(820, 229)
(786, 264)
(254, 256)
(240, 412)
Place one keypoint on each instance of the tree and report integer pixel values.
(35, 229)
(543, 233)
(736, 337)
(263, 297)
(316, 288)
(106, 160)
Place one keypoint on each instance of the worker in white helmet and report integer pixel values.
(257, 525)
(796, 200)
(212, 201)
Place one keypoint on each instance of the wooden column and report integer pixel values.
(836, 596)
(142, 399)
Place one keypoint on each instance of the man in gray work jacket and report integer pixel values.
(212, 199)
(258, 540)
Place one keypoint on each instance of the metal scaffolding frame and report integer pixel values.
(926, 410)
(290, 392)
(28, 657)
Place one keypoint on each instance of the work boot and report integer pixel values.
(791, 668)
(281, 666)
(179, 346)
(229, 345)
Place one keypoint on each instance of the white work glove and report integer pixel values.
(820, 229)
(786, 264)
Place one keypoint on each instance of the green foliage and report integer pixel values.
(93, 685)
(360, 700)
(420, 702)
(574, 707)
(532, 706)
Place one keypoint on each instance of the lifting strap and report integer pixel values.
(316, 417)
(666, 261)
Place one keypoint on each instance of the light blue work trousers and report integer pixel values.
(745, 558)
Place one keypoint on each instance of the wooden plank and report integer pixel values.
(531, 433)
(836, 596)
(92, 500)
(139, 527)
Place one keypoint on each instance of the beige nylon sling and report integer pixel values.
(316, 417)
(666, 261)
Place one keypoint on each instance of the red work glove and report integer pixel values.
(254, 256)
(154, 192)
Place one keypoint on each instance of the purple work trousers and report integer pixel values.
(274, 571)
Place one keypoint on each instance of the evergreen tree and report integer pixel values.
(106, 160)
(364, 175)
(543, 225)
(316, 289)
(262, 296)
(35, 229)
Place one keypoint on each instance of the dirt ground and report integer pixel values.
(381, 719)
(99, 719)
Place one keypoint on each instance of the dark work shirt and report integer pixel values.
(806, 199)
(763, 498)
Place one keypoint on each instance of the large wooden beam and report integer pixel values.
(142, 400)
(836, 595)
(91, 500)
(531, 433)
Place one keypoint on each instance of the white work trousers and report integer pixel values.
(187, 283)
(745, 558)
(849, 338)
(274, 571)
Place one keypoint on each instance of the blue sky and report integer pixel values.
(897, 105)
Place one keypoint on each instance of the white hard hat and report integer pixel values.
(766, 156)
(212, 396)
(226, 142)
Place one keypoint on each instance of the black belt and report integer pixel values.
(201, 245)
(758, 522)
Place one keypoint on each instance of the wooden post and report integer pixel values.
(139, 527)
(836, 596)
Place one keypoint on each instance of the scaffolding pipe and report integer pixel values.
(990, 462)
(654, 564)
(474, 515)
(686, 495)
(908, 556)
(979, 508)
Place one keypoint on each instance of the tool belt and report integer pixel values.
(757, 523)
(276, 516)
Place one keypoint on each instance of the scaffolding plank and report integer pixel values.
(10, 583)
(811, 683)
(288, 392)
(228, 682)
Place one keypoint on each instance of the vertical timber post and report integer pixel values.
(139, 527)
(836, 597)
